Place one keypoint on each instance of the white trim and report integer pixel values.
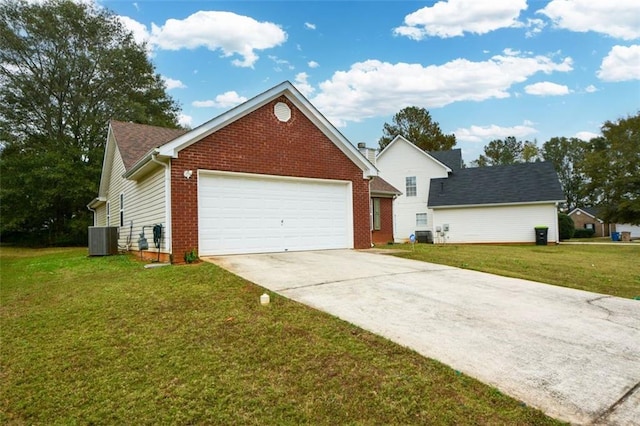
(463, 206)
(412, 145)
(121, 210)
(266, 176)
(347, 183)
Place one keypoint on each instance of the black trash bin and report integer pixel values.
(425, 237)
(541, 235)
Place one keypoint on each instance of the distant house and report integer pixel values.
(587, 218)
(633, 230)
(499, 204)
(269, 175)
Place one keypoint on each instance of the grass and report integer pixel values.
(606, 269)
(105, 341)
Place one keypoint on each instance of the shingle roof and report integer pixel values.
(516, 183)
(135, 140)
(381, 186)
(451, 158)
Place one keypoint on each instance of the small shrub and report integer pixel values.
(566, 227)
(583, 233)
(191, 256)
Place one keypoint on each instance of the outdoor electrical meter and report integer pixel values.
(445, 227)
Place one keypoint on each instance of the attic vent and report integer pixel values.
(282, 111)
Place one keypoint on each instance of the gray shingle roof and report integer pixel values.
(451, 158)
(516, 183)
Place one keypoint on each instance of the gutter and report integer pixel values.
(141, 163)
(461, 206)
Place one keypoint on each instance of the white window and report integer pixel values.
(376, 214)
(410, 186)
(421, 219)
(121, 209)
(108, 214)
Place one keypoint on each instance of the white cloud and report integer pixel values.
(374, 88)
(455, 17)
(621, 64)
(225, 100)
(302, 85)
(185, 120)
(546, 88)
(534, 26)
(140, 32)
(616, 18)
(135, 4)
(281, 62)
(586, 136)
(173, 84)
(591, 89)
(313, 64)
(309, 26)
(231, 33)
(493, 131)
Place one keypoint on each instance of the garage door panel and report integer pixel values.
(241, 213)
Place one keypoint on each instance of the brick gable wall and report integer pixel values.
(260, 143)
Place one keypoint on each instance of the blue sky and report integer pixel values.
(484, 69)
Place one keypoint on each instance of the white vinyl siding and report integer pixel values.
(101, 216)
(145, 205)
(395, 165)
(633, 229)
(498, 224)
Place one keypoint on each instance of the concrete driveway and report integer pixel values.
(573, 354)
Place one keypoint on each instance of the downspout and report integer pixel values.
(94, 215)
(167, 201)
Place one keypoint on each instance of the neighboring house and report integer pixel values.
(499, 204)
(587, 218)
(633, 230)
(270, 175)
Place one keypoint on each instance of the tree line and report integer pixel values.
(603, 172)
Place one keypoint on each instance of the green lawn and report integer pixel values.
(607, 269)
(105, 341)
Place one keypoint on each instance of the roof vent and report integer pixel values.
(282, 111)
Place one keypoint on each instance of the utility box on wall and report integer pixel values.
(103, 240)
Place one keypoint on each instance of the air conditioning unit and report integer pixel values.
(103, 240)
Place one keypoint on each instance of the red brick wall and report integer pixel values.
(385, 234)
(260, 143)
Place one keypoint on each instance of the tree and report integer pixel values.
(66, 68)
(566, 227)
(416, 125)
(611, 166)
(507, 151)
(565, 154)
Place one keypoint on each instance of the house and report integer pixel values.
(269, 175)
(587, 218)
(500, 204)
(633, 230)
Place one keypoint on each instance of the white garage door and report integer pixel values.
(242, 213)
